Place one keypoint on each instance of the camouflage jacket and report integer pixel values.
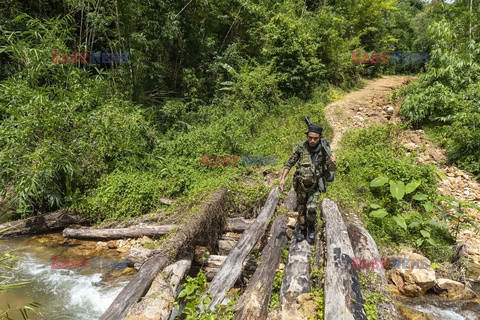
(305, 168)
(301, 150)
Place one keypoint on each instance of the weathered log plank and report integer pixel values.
(119, 233)
(239, 224)
(201, 222)
(158, 302)
(296, 277)
(365, 247)
(232, 267)
(343, 299)
(254, 302)
(319, 254)
(42, 223)
(213, 263)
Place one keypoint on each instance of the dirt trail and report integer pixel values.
(365, 107)
(370, 106)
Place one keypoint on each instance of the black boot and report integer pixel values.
(302, 234)
(311, 234)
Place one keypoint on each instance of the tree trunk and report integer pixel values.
(206, 222)
(158, 302)
(255, 300)
(43, 223)
(232, 267)
(120, 233)
(343, 299)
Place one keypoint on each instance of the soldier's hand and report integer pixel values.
(332, 158)
(282, 183)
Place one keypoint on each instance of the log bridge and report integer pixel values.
(151, 293)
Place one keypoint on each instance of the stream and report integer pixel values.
(63, 293)
(437, 309)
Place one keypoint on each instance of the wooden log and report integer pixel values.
(290, 201)
(158, 302)
(120, 233)
(255, 300)
(319, 255)
(200, 223)
(296, 277)
(229, 240)
(42, 223)
(364, 247)
(343, 299)
(213, 263)
(232, 267)
(239, 224)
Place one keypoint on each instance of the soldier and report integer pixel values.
(315, 161)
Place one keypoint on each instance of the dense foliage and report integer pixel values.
(397, 196)
(203, 77)
(446, 99)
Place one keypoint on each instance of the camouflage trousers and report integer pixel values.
(307, 203)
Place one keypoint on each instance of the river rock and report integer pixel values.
(292, 214)
(411, 314)
(413, 282)
(291, 222)
(111, 244)
(137, 256)
(453, 290)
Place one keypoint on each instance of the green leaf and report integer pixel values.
(420, 197)
(410, 187)
(414, 224)
(380, 213)
(182, 294)
(425, 233)
(437, 224)
(419, 242)
(470, 205)
(447, 198)
(400, 221)
(397, 189)
(431, 241)
(441, 175)
(378, 181)
(190, 288)
(428, 206)
(375, 206)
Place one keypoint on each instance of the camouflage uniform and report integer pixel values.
(308, 195)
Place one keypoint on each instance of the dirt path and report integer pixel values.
(365, 107)
(371, 106)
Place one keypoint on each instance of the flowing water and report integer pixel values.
(63, 294)
(437, 309)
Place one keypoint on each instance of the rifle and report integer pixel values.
(327, 150)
